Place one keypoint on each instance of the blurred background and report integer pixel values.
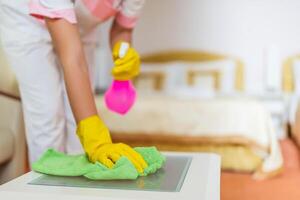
(217, 76)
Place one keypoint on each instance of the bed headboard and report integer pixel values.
(288, 82)
(197, 56)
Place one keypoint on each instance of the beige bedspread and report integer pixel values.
(191, 121)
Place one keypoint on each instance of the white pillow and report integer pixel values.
(175, 82)
(170, 70)
(227, 69)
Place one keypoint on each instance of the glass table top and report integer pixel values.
(170, 178)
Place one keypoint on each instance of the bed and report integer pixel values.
(173, 114)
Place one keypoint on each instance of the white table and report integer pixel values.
(202, 182)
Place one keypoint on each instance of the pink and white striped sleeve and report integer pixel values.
(129, 12)
(54, 9)
(102, 9)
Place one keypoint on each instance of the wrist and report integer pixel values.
(119, 33)
(93, 129)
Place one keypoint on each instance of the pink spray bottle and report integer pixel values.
(121, 95)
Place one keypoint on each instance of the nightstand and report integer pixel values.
(277, 105)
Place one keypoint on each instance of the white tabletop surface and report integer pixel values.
(202, 182)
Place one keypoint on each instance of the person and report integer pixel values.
(50, 45)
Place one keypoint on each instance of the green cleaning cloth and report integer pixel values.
(59, 164)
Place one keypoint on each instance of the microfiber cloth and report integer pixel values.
(59, 164)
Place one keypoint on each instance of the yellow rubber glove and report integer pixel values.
(96, 141)
(126, 62)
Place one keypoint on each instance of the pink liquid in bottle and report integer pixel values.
(120, 97)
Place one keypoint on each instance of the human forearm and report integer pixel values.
(119, 33)
(66, 40)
